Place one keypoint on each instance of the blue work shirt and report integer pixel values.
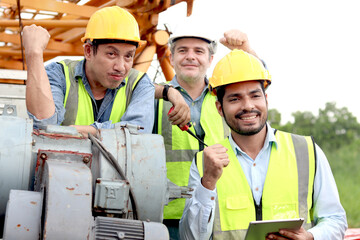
(139, 112)
(329, 215)
(194, 105)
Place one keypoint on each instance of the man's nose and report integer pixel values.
(248, 104)
(119, 65)
(190, 55)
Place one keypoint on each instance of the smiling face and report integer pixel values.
(244, 107)
(191, 59)
(110, 65)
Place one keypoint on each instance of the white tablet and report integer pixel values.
(260, 229)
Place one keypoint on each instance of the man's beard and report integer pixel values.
(246, 132)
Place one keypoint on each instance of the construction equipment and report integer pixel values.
(65, 186)
(66, 22)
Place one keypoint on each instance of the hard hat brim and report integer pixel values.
(140, 42)
(174, 39)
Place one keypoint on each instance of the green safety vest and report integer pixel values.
(78, 103)
(181, 147)
(287, 192)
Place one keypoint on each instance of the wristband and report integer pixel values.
(165, 92)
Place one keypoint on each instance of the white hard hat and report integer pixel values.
(177, 37)
(191, 30)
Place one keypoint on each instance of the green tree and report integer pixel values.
(332, 128)
(335, 127)
(274, 118)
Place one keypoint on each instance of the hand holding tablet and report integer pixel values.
(260, 229)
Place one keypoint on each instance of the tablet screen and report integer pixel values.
(260, 229)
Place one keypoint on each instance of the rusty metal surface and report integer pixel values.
(68, 189)
(142, 158)
(23, 215)
(67, 170)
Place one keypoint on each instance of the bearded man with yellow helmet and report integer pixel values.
(97, 92)
(258, 173)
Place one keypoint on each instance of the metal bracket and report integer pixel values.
(9, 110)
(176, 191)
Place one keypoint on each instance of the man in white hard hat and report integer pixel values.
(191, 57)
(258, 173)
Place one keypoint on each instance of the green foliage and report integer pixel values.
(274, 118)
(332, 128)
(337, 132)
(345, 164)
(336, 127)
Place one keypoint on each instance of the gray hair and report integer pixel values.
(212, 46)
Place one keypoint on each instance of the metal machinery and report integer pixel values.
(56, 184)
(65, 186)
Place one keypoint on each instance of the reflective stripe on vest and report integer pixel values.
(78, 103)
(287, 192)
(181, 147)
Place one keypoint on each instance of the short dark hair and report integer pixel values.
(96, 42)
(220, 91)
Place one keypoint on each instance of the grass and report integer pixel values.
(345, 165)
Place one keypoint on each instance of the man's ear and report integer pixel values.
(211, 59)
(87, 51)
(171, 59)
(266, 99)
(219, 108)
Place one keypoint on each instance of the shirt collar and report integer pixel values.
(269, 140)
(174, 82)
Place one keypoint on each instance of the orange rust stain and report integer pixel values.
(70, 188)
(32, 202)
(19, 225)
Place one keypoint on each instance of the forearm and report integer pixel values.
(85, 130)
(198, 216)
(39, 99)
(197, 219)
(159, 91)
(140, 111)
(329, 228)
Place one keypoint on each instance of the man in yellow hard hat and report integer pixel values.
(258, 173)
(191, 56)
(97, 92)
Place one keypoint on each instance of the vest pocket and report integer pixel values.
(236, 213)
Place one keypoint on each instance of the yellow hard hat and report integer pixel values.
(112, 23)
(238, 66)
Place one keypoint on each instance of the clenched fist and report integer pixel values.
(215, 159)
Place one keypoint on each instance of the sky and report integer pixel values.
(311, 47)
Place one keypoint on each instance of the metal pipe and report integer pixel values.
(45, 23)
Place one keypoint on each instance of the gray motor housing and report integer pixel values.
(73, 184)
